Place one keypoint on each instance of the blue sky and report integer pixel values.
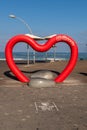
(45, 17)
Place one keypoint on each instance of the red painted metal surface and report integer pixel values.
(41, 48)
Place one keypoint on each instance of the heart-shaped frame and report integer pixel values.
(41, 48)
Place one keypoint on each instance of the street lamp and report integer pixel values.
(28, 27)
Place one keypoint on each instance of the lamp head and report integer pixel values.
(12, 16)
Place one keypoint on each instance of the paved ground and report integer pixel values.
(63, 107)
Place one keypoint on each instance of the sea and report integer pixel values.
(43, 56)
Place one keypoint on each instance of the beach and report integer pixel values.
(63, 107)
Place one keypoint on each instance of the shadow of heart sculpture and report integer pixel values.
(41, 48)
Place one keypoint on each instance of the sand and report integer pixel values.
(63, 107)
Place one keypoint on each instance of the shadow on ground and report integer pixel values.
(8, 73)
(85, 74)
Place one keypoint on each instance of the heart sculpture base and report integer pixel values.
(41, 83)
(41, 48)
(42, 78)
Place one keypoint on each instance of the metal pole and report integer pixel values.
(28, 27)
(34, 56)
(46, 56)
(25, 24)
(28, 55)
(54, 54)
(28, 52)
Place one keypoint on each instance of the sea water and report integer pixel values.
(43, 56)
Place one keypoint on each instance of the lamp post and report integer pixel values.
(28, 27)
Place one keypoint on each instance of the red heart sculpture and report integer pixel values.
(41, 48)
